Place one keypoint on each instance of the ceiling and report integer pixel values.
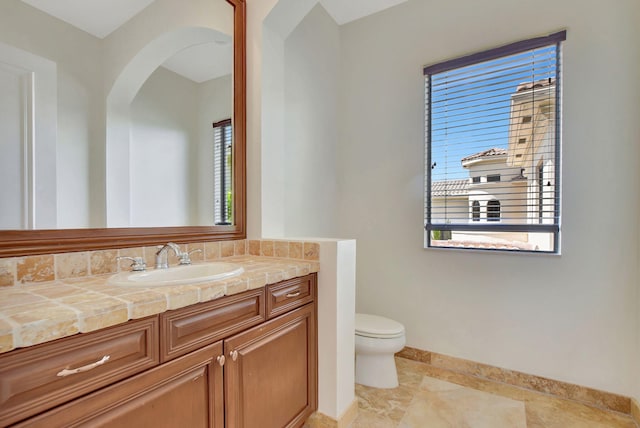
(203, 62)
(344, 11)
(97, 17)
(199, 63)
(101, 17)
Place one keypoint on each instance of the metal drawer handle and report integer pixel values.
(233, 355)
(67, 372)
(290, 295)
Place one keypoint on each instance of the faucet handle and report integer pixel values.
(138, 264)
(185, 258)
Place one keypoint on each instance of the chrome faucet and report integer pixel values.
(162, 257)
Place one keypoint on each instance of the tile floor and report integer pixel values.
(431, 397)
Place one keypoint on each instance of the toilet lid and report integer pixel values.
(377, 327)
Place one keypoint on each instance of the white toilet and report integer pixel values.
(377, 339)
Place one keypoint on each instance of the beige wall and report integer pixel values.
(311, 71)
(571, 317)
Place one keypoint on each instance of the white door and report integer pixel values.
(15, 115)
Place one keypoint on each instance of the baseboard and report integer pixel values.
(635, 411)
(349, 415)
(320, 420)
(593, 397)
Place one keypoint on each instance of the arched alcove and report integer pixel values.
(118, 114)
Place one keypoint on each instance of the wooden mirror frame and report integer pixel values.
(32, 242)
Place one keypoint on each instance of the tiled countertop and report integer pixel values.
(35, 314)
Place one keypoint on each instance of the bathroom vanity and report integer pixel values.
(242, 360)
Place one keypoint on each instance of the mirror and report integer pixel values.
(116, 147)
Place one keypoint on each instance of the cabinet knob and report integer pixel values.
(233, 355)
(221, 360)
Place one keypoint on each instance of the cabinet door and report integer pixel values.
(271, 372)
(186, 392)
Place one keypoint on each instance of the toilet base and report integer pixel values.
(376, 370)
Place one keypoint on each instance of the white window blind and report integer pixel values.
(492, 155)
(222, 188)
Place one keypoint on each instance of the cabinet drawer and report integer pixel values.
(187, 329)
(40, 377)
(287, 295)
(187, 392)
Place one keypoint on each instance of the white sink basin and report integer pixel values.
(191, 274)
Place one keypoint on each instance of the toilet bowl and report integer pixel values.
(377, 340)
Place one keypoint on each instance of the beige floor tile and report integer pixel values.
(389, 403)
(455, 406)
(368, 419)
(433, 397)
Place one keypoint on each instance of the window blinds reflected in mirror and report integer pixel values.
(222, 180)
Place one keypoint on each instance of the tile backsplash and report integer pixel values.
(18, 271)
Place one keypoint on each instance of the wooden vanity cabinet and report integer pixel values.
(257, 374)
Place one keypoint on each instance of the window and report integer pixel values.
(493, 210)
(475, 211)
(222, 160)
(497, 114)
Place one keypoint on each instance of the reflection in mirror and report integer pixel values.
(21, 93)
(174, 149)
(223, 165)
(113, 127)
(80, 115)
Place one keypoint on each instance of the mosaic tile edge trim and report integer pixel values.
(21, 271)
